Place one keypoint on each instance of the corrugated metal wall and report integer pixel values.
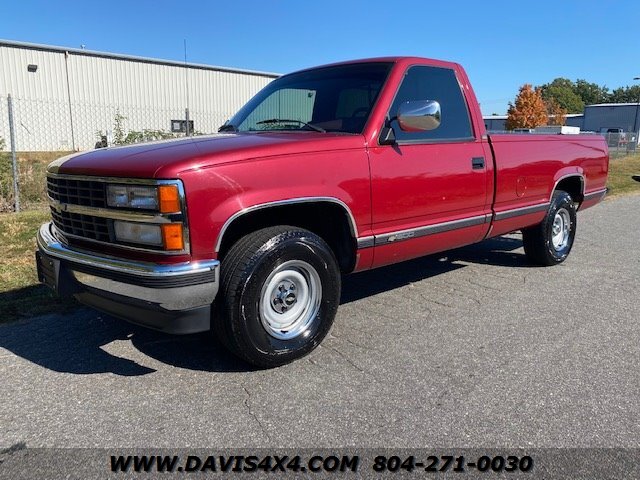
(604, 116)
(496, 123)
(88, 89)
(41, 120)
(575, 120)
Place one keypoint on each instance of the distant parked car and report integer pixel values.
(616, 137)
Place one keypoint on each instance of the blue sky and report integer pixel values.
(501, 44)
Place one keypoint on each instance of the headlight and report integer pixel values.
(168, 235)
(165, 198)
(130, 232)
(129, 196)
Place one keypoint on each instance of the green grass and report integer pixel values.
(32, 168)
(20, 293)
(620, 171)
(22, 296)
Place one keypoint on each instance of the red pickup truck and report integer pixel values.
(326, 171)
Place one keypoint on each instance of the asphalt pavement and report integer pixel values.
(471, 348)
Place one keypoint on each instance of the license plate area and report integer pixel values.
(48, 269)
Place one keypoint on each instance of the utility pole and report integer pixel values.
(14, 160)
(66, 69)
(635, 121)
(186, 84)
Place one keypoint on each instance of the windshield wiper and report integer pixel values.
(228, 127)
(299, 122)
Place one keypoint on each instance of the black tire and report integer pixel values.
(260, 278)
(539, 244)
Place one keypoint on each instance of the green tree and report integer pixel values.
(625, 94)
(591, 93)
(562, 90)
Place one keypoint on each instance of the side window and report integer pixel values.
(441, 85)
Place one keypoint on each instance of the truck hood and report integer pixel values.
(171, 158)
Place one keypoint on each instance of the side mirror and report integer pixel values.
(419, 116)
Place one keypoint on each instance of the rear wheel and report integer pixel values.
(550, 242)
(280, 290)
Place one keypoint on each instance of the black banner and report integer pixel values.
(20, 462)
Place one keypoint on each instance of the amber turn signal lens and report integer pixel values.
(172, 236)
(169, 198)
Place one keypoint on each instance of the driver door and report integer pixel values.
(430, 187)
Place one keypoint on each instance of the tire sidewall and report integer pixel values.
(247, 326)
(560, 200)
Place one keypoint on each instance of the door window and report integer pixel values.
(441, 85)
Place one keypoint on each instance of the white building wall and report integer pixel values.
(149, 93)
(41, 121)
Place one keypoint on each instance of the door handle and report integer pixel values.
(477, 163)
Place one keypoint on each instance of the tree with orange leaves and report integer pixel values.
(557, 114)
(528, 110)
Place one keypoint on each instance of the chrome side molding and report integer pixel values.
(366, 242)
(430, 229)
(597, 194)
(423, 231)
(516, 212)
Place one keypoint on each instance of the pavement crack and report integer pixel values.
(484, 285)
(437, 302)
(344, 357)
(350, 362)
(253, 414)
(364, 347)
(355, 344)
(377, 313)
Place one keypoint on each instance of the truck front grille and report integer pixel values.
(85, 226)
(77, 192)
(80, 213)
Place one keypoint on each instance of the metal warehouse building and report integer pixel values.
(496, 123)
(63, 97)
(603, 116)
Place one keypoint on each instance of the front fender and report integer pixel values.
(216, 196)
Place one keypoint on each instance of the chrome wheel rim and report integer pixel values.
(290, 299)
(561, 229)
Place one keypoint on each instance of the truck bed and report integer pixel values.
(529, 166)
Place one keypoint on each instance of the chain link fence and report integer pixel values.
(621, 143)
(47, 129)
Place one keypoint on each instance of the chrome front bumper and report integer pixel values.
(175, 298)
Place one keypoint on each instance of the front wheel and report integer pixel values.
(550, 242)
(280, 290)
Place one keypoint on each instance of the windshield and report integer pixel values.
(330, 99)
